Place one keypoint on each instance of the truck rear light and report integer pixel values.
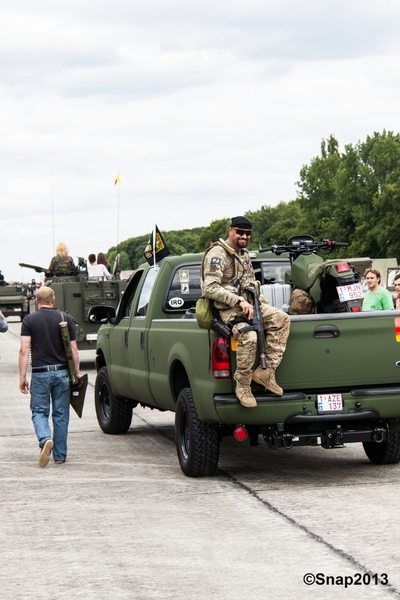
(240, 433)
(221, 365)
(355, 309)
(342, 267)
(397, 328)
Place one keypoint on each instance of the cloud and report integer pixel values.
(206, 108)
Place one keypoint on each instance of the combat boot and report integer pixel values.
(246, 398)
(266, 377)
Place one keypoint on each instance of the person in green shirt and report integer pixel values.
(377, 297)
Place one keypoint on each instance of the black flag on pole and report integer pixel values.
(155, 247)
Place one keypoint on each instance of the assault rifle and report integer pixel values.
(258, 327)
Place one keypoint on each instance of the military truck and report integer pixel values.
(340, 374)
(75, 293)
(12, 300)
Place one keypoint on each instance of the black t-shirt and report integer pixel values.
(43, 327)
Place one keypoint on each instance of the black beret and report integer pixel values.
(241, 222)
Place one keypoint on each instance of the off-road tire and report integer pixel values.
(114, 415)
(386, 453)
(197, 443)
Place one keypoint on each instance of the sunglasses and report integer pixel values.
(247, 232)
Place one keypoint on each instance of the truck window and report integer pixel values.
(274, 270)
(141, 309)
(184, 289)
(125, 304)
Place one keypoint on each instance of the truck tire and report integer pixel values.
(386, 453)
(114, 415)
(197, 443)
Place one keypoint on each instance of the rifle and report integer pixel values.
(258, 327)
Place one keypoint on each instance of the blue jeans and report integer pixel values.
(54, 385)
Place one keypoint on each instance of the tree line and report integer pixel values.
(350, 196)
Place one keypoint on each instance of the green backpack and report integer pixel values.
(204, 314)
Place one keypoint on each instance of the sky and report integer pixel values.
(205, 108)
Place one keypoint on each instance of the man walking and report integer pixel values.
(41, 334)
(227, 271)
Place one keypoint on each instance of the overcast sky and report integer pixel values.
(206, 108)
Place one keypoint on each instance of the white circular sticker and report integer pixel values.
(176, 302)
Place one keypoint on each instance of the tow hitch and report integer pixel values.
(333, 439)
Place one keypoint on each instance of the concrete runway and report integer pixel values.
(120, 520)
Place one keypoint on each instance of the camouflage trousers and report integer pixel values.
(276, 327)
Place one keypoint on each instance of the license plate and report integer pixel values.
(330, 403)
(350, 292)
(91, 337)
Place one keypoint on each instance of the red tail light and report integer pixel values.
(342, 267)
(355, 309)
(240, 433)
(221, 364)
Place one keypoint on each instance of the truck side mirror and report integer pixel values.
(101, 314)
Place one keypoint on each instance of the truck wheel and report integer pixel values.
(113, 414)
(386, 453)
(197, 443)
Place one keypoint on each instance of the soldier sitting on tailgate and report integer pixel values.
(62, 264)
(227, 271)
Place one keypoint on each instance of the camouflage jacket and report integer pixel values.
(60, 264)
(225, 273)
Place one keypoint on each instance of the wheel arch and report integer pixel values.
(179, 378)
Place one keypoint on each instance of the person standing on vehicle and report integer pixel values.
(96, 271)
(227, 271)
(377, 297)
(61, 263)
(41, 334)
(102, 260)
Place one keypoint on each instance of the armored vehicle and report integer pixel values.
(75, 293)
(12, 300)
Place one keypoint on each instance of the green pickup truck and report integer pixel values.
(340, 372)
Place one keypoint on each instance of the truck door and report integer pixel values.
(120, 365)
(137, 342)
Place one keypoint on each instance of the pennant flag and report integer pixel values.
(156, 248)
(117, 179)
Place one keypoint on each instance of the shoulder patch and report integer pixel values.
(215, 261)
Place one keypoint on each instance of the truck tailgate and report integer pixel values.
(341, 350)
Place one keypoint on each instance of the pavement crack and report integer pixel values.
(348, 557)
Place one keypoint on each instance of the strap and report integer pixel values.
(67, 347)
(231, 252)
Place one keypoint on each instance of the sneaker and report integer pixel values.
(59, 462)
(45, 453)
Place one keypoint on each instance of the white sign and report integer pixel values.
(350, 292)
(176, 302)
(330, 403)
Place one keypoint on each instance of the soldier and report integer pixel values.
(227, 271)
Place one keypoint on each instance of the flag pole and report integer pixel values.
(154, 244)
(117, 182)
